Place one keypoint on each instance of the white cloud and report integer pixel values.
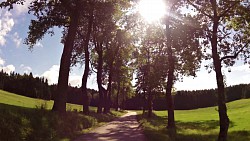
(1, 62)
(22, 9)
(8, 69)
(16, 39)
(239, 75)
(25, 69)
(38, 44)
(242, 68)
(75, 80)
(204, 80)
(52, 74)
(6, 25)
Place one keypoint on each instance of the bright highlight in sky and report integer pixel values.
(152, 10)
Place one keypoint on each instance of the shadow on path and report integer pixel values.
(125, 128)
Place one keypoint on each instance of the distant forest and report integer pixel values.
(36, 87)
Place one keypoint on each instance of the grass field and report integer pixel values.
(200, 124)
(29, 119)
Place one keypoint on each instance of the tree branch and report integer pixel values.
(235, 54)
(67, 5)
(202, 11)
(227, 10)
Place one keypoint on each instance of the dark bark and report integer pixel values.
(109, 90)
(86, 68)
(144, 102)
(99, 78)
(110, 77)
(224, 120)
(61, 92)
(123, 96)
(170, 77)
(117, 95)
(150, 104)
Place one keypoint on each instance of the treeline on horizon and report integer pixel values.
(187, 99)
(36, 87)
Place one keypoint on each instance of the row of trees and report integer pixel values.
(205, 98)
(186, 100)
(36, 87)
(25, 85)
(111, 37)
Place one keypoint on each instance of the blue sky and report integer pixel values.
(43, 60)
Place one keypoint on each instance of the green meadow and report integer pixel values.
(200, 124)
(29, 119)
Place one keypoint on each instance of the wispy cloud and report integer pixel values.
(16, 39)
(6, 25)
(22, 9)
(25, 69)
(38, 44)
(1, 62)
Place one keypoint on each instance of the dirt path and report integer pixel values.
(125, 128)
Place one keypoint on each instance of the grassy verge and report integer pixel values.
(200, 124)
(29, 119)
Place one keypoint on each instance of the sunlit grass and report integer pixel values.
(29, 119)
(200, 124)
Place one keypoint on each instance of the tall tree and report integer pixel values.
(49, 14)
(183, 52)
(107, 42)
(227, 40)
(61, 94)
(82, 46)
(151, 64)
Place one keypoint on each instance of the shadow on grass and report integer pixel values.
(33, 124)
(155, 130)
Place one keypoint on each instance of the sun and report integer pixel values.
(152, 10)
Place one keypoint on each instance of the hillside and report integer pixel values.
(201, 124)
(22, 101)
(28, 119)
(27, 102)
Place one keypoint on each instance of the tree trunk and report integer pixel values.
(224, 120)
(123, 97)
(170, 104)
(144, 102)
(109, 90)
(170, 77)
(61, 91)
(117, 96)
(99, 78)
(150, 104)
(86, 68)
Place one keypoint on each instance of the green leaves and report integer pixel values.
(10, 3)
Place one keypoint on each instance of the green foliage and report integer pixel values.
(201, 124)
